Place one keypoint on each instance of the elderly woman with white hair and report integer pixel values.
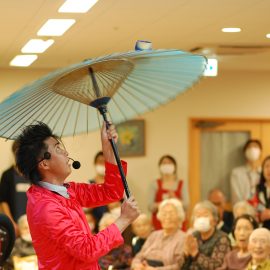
(206, 248)
(244, 208)
(259, 248)
(163, 248)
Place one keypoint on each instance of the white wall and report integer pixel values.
(231, 94)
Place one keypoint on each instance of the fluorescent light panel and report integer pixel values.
(231, 30)
(23, 60)
(55, 27)
(37, 46)
(77, 6)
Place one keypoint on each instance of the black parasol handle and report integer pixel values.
(100, 103)
(116, 155)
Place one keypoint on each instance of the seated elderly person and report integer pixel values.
(259, 248)
(163, 248)
(206, 248)
(243, 207)
(239, 209)
(141, 227)
(217, 197)
(239, 258)
(118, 258)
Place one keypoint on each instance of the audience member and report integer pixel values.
(167, 186)
(239, 209)
(141, 227)
(263, 194)
(13, 189)
(239, 258)
(207, 246)
(259, 248)
(225, 223)
(163, 248)
(245, 178)
(243, 207)
(118, 258)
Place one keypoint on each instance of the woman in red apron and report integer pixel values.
(168, 186)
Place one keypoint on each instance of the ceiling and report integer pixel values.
(115, 25)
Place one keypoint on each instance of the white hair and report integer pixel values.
(248, 209)
(208, 206)
(261, 230)
(177, 204)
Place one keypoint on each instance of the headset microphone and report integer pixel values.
(75, 164)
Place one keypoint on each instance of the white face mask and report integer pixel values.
(167, 168)
(253, 153)
(202, 224)
(27, 237)
(100, 169)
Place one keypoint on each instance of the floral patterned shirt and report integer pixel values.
(211, 252)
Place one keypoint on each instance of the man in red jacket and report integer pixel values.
(61, 236)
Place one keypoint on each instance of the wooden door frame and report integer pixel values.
(233, 124)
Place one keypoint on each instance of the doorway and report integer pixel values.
(216, 147)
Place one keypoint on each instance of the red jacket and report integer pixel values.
(61, 235)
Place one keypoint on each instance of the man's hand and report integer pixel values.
(129, 212)
(106, 135)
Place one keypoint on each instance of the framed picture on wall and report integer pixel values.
(131, 140)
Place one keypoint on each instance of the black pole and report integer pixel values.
(101, 104)
(103, 111)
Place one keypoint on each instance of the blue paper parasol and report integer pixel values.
(125, 84)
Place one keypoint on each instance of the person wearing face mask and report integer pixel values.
(262, 197)
(244, 179)
(207, 246)
(165, 187)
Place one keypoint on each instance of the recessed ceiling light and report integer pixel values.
(23, 60)
(268, 35)
(77, 6)
(37, 46)
(231, 30)
(55, 27)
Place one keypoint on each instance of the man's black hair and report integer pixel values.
(30, 150)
